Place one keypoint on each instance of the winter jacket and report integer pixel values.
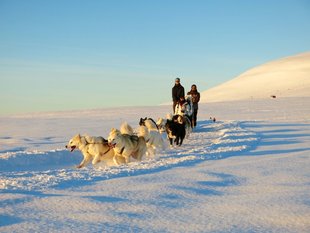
(195, 98)
(183, 108)
(177, 92)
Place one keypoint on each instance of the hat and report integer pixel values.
(177, 80)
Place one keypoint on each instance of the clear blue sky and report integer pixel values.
(64, 55)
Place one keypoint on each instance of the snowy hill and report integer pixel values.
(286, 77)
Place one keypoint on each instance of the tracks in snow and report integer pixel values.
(55, 169)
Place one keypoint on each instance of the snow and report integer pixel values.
(286, 77)
(246, 172)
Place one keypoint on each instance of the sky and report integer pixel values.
(73, 55)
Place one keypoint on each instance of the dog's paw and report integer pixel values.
(79, 166)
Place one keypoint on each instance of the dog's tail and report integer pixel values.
(144, 132)
(126, 129)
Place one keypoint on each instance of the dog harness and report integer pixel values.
(133, 137)
(105, 142)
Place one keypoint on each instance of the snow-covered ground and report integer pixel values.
(246, 172)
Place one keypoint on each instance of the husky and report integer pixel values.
(95, 149)
(161, 122)
(149, 123)
(175, 131)
(187, 123)
(127, 146)
(154, 140)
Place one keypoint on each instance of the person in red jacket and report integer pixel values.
(195, 99)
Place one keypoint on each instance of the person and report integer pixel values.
(177, 92)
(183, 107)
(195, 99)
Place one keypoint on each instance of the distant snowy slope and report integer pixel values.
(286, 77)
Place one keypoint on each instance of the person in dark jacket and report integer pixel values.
(195, 99)
(177, 92)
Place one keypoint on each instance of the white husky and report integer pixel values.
(95, 149)
(149, 123)
(161, 122)
(153, 138)
(126, 145)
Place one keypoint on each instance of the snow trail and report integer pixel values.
(37, 170)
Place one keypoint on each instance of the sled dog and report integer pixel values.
(161, 122)
(186, 121)
(175, 131)
(149, 123)
(95, 149)
(127, 146)
(154, 140)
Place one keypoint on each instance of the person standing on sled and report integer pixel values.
(195, 99)
(177, 93)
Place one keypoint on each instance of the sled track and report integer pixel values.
(56, 169)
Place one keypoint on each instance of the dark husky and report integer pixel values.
(175, 131)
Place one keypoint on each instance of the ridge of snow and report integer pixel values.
(286, 77)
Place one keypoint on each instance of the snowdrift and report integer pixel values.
(286, 77)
